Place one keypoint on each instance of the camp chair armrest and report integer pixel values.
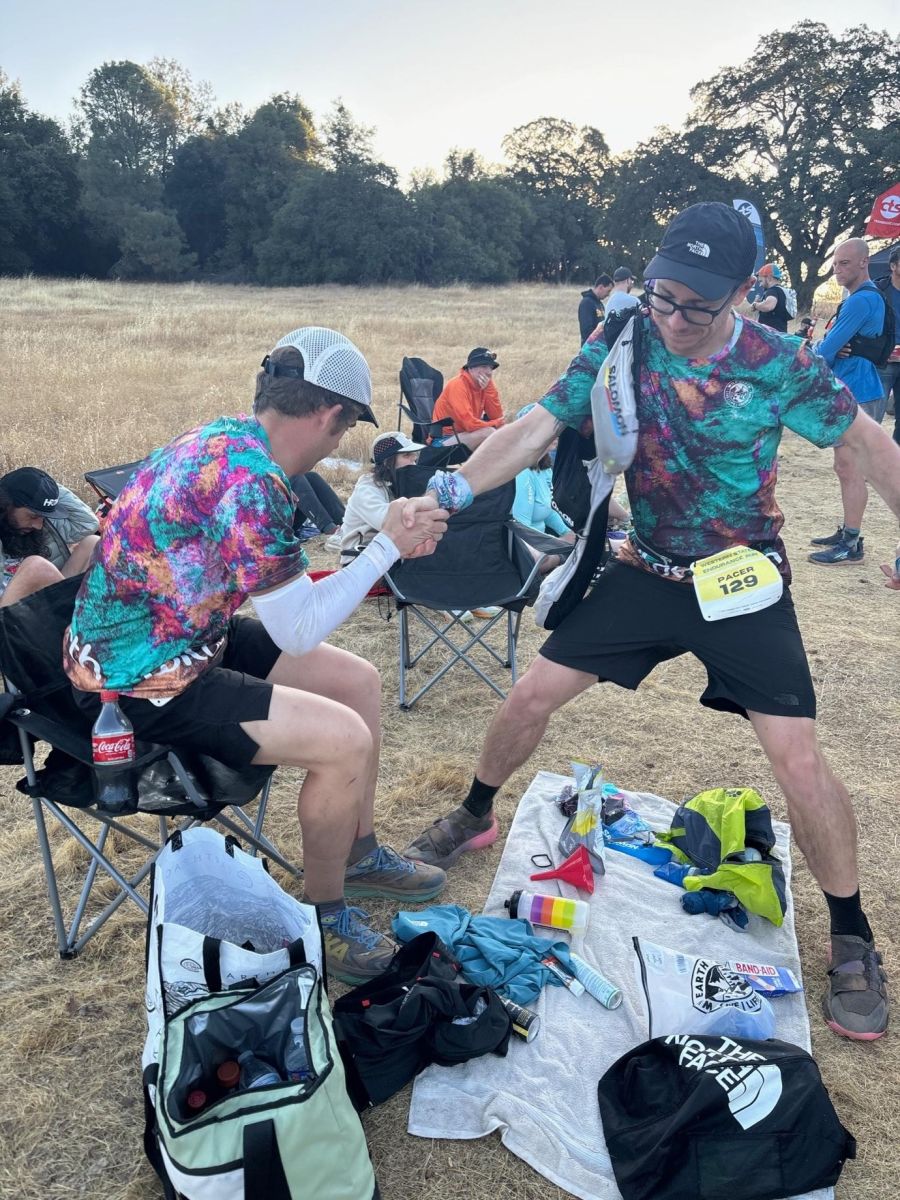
(437, 426)
(76, 745)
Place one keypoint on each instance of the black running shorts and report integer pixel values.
(631, 620)
(207, 715)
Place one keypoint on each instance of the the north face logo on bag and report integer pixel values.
(753, 1090)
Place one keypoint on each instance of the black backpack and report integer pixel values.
(878, 349)
(417, 1012)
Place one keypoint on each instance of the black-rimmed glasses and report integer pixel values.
(691, 313)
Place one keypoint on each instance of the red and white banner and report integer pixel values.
(885, 219)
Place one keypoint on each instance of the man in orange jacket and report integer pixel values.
(472, 400)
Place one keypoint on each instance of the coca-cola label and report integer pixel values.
(118, 749)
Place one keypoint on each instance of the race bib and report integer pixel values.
(734, 582)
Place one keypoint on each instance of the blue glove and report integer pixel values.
(717, 904)
(706, 901)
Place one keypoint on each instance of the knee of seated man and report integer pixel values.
(35, 569)
(369, 677)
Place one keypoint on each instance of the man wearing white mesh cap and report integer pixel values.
(206, 524)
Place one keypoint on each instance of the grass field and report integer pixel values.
(96, 373)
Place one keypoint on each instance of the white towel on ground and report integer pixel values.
(543, 1095)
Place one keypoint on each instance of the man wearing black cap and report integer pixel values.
(46, 533)
(591, 311)
(715, 394)
(471, 399)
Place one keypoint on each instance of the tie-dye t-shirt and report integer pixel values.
(204, 523)
(703, 477)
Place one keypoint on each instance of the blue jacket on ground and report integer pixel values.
(862, 312)
(497, 952)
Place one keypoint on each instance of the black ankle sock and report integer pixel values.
(847, 916)
(480, 799)
(329, 908)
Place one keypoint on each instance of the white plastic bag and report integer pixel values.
(685, 994)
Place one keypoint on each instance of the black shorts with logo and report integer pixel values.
(632, 620)
(207, 715)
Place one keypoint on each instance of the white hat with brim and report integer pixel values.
(386, 445)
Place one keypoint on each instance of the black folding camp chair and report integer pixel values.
(478, 564)
(109, 481)
(420, 386)
(38, 704)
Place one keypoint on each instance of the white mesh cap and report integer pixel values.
(331, 361)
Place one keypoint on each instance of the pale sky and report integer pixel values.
(428, 75)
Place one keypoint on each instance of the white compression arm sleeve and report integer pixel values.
(300, 615)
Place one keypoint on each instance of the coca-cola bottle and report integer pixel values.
(112, 748)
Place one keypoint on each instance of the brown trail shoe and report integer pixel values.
(856, 1002)
(453, 835)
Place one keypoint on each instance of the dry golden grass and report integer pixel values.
(97, 373)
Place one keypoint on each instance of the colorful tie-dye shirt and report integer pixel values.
(204, 523)
(703, 477)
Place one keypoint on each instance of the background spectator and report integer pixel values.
(368, 504)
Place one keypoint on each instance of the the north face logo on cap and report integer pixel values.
(700, 248)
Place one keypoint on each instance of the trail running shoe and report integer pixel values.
(386, 873)
(453, 835)
(354, 953)
(843, 554)
(831, 539)
(856, 1002)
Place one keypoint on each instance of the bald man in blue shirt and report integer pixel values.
(861, 313)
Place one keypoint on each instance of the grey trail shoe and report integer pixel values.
(354, 953)
(449, 837)
(386, 873)
(843, 553)
(856, 1002)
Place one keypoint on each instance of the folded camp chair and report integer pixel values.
(479, 563)
(38, 703)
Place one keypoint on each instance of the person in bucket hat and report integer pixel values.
(205, 524)
(713, 397)
(472, 400)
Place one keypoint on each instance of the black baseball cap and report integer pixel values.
(32, 488)
(710, 248)
(621, 274)
(482, 357)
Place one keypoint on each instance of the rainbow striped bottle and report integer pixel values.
(555, 911)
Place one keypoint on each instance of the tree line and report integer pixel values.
(150, 180)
